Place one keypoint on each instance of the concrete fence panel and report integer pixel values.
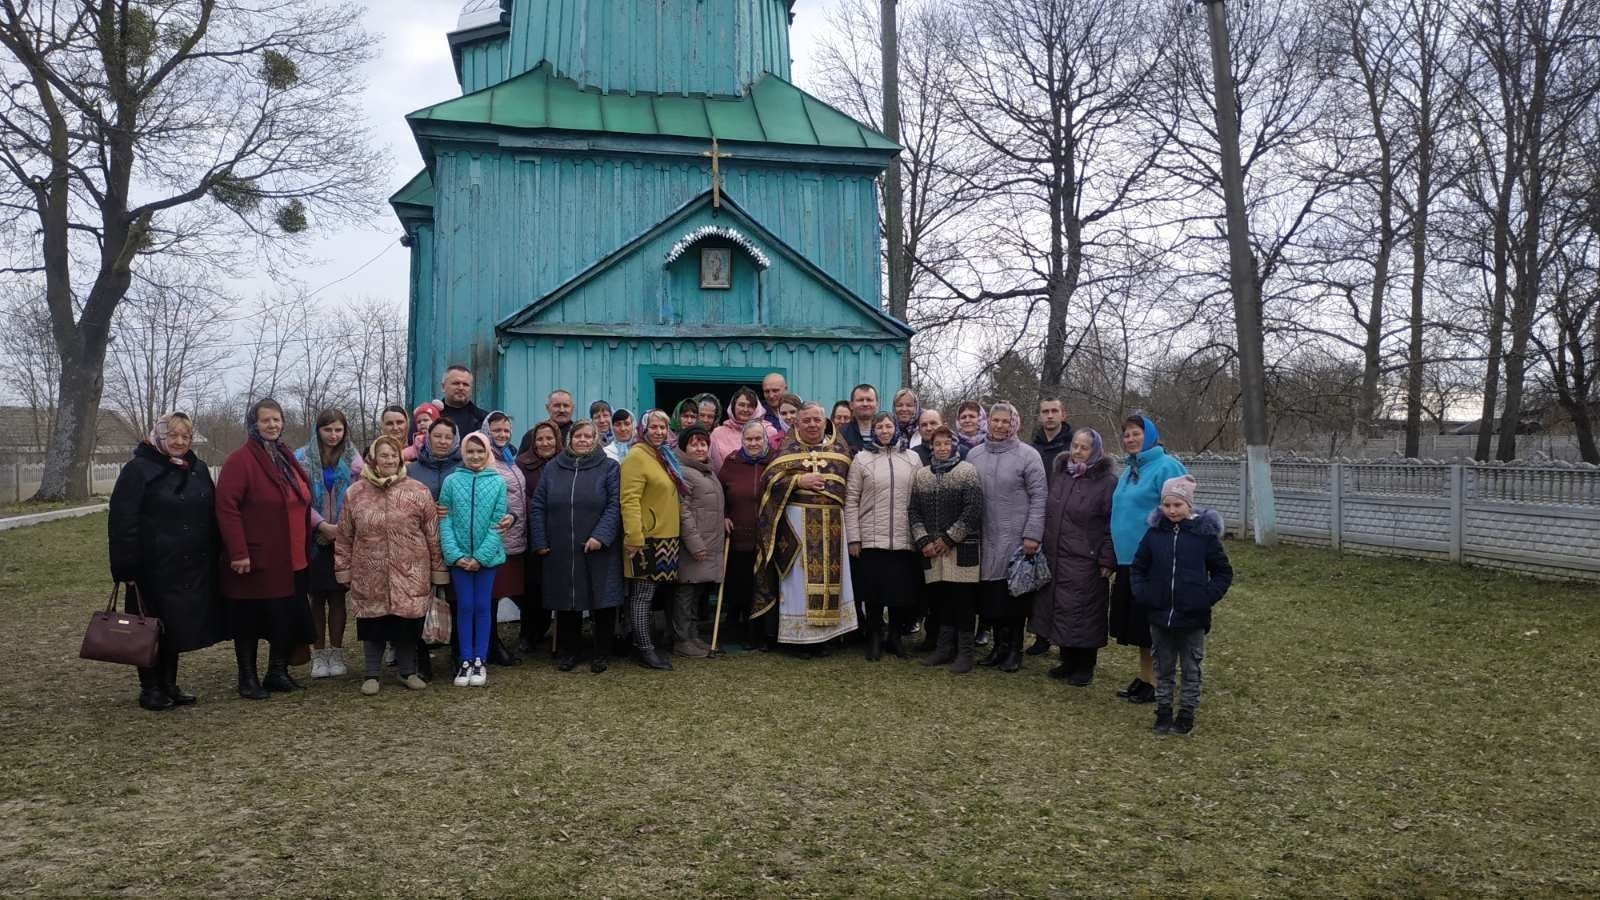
(1544, 520)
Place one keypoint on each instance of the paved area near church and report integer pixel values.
(1369, 727)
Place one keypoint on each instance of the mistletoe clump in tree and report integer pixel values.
(205, 132)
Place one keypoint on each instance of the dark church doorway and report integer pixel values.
(670, 393)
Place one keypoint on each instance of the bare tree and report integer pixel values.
(1051, 91)
(1535, 74)
(168, 339)
(27, 349)
(199, 130)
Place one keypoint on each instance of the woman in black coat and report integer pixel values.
(164, 547)
(575, 525)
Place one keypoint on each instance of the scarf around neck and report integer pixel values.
(277, 451)
(1080, 469)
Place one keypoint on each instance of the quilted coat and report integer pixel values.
(701, 518)
(878, 499)
(515, 537)
(387, 550)
(476, 501)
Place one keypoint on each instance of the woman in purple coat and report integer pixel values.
(1077, 539)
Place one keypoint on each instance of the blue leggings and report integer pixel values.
(474, 611)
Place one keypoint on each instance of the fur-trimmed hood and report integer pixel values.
(1205, 522)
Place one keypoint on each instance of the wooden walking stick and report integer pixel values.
(716, 619)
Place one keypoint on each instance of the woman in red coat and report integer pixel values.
(264, 515)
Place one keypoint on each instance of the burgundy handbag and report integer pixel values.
(118, 637)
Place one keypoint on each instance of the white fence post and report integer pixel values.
(1244, 499)
(1458, 517)
(1336, 506)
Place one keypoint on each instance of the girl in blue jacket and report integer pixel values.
(1179, 572)
(474, 497)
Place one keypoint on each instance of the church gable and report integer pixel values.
(705, 271)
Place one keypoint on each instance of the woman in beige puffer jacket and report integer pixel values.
(387, 551)
(884, 565)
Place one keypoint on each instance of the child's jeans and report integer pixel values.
(474, 611)
(1172, 645)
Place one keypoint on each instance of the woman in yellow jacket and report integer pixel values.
(652, 482)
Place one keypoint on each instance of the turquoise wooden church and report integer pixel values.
(631, 201)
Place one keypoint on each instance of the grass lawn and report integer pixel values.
(29, 507)
(1370, 727)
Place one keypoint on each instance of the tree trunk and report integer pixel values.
(1497, 303)
(1419, 271)
(893, 200)
(72, 437)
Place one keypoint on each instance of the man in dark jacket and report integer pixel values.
(1179, 572)
(1053, 433)
(456, 390)
(863, 407)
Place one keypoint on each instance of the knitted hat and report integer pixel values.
(1182, 487)
(431, 407)
(693, 431)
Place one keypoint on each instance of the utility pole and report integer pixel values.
(893, 214)
(1241, 271)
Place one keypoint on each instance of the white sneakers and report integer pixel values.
(471, 674)
(328, 663)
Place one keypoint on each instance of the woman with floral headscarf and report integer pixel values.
(387, 553)
(1071, 611)
(651, 485)
(907, 408)
(264, 514)
(164, 547)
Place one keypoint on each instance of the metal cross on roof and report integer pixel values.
(716, 173)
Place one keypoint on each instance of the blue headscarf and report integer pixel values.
(507, 453)
(1152, 437)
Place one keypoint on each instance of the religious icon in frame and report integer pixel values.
(716, 268)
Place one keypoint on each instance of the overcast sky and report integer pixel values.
(413, 70)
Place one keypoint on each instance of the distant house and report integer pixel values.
(24, 432)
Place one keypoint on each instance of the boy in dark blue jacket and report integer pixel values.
(1178, 574)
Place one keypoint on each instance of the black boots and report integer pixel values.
(651, 658)
(1083, 660)
(169, 679)
(1163, 720)
(997, 650)
(944, 651)
(964, 652)
(1039, 647)
(874, 642)
(1077, 668)
(893, 643)
(278, 680)
(244, 653)
(1013, 643)
(152, 695)
(1185, 723)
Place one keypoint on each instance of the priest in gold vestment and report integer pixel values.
(802, 562)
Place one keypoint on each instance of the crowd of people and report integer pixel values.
(771, 525)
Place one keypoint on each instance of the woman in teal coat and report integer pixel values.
(475, 499)
(1145, 467)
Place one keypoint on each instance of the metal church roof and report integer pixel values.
(774, 112)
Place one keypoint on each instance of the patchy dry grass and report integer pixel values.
(1370, 727)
